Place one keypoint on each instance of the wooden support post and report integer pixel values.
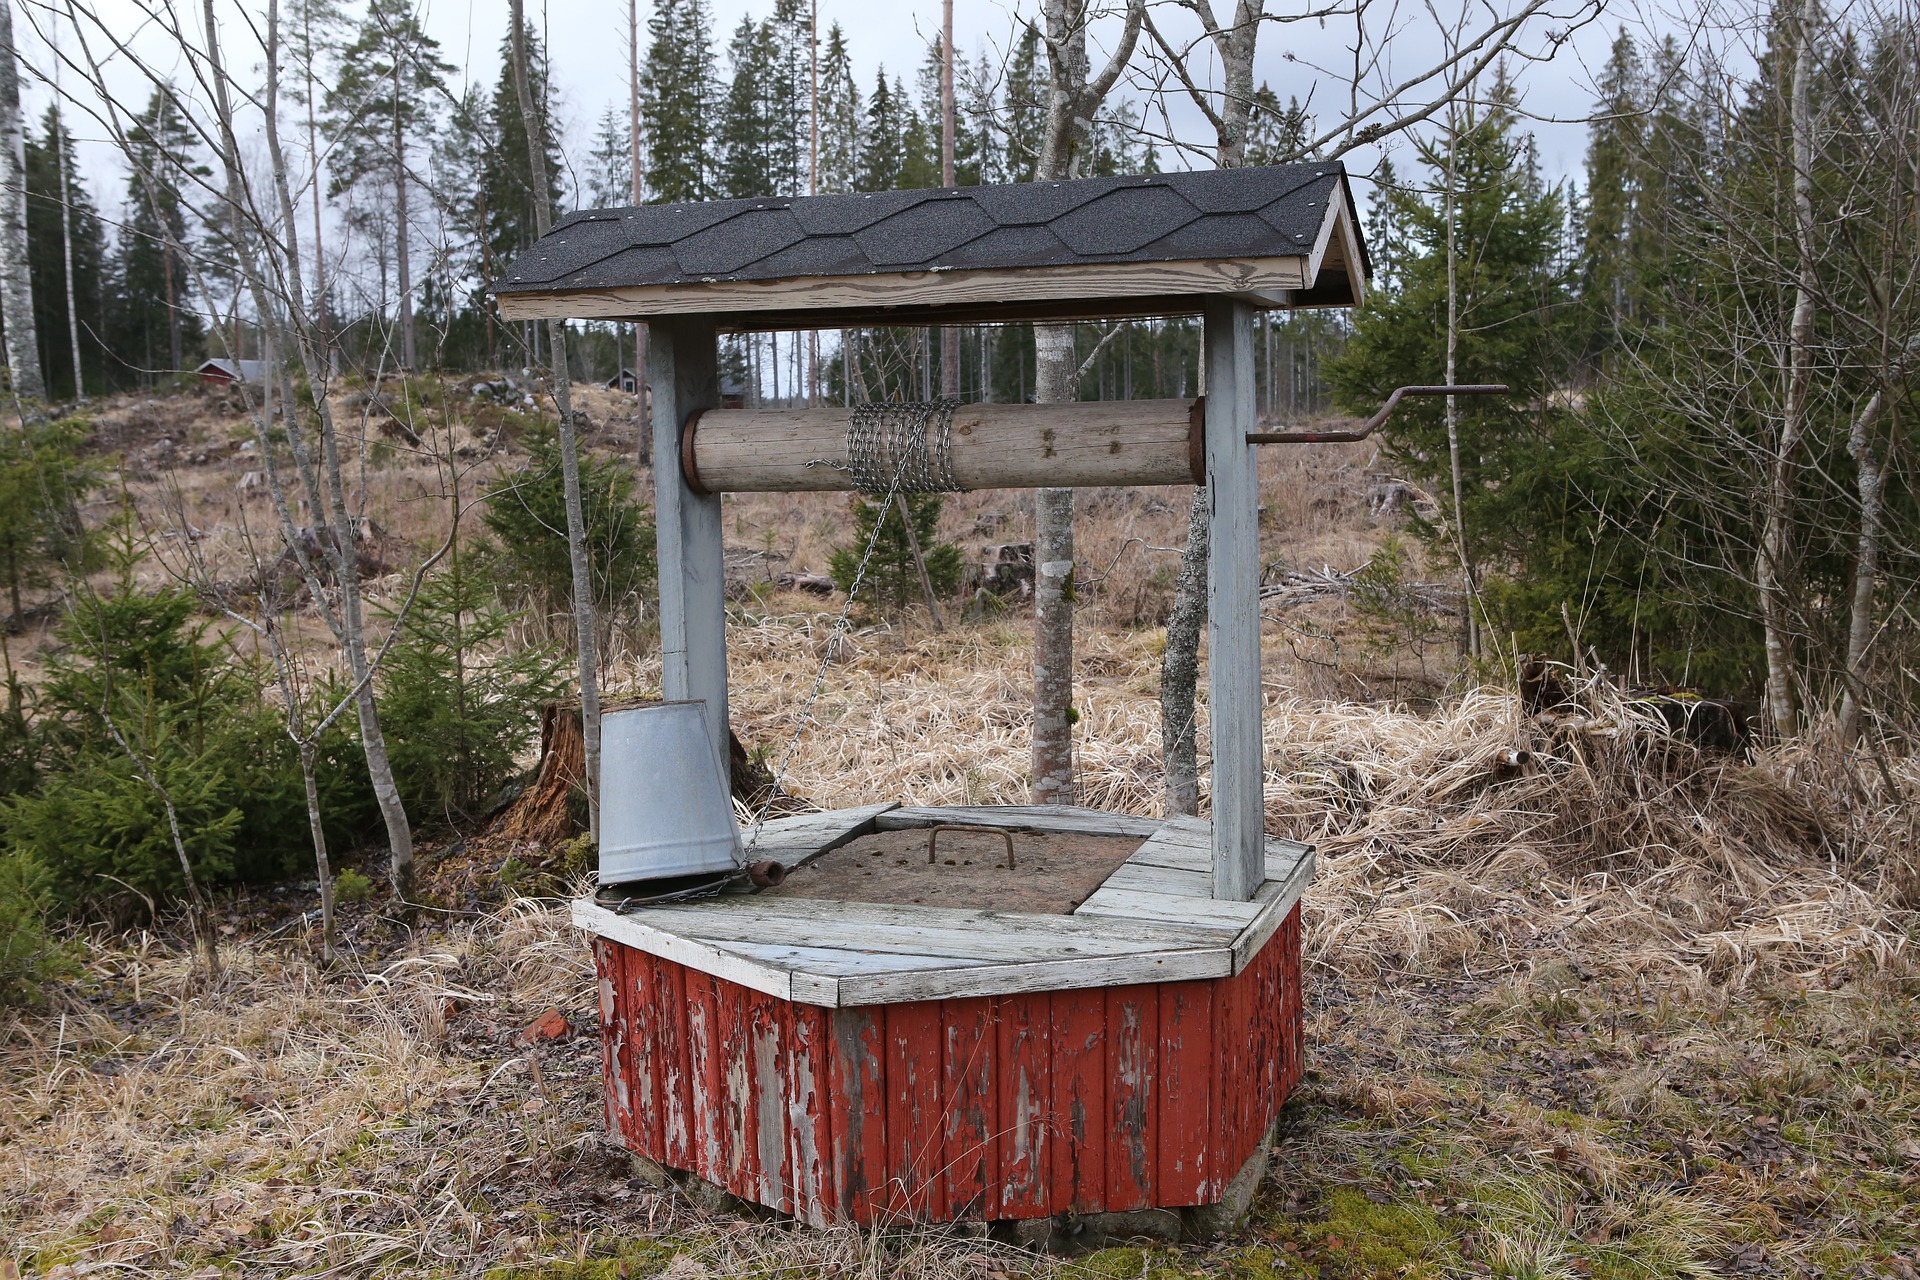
(683, 370)
(1233, 603)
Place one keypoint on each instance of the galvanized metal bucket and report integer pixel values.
(664, 809)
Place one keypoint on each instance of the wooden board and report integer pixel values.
(1021, 1105)
(855, 300)
(798, 839)
(1152, 922)
(1036, 817)
(993, 446)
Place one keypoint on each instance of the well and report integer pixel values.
(1103, 1032)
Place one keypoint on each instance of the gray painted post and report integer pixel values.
(683, 368)
(1233, 604)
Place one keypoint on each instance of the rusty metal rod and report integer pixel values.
(933, 838)
(1380, 416)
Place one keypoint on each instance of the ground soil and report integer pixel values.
(1051, 874)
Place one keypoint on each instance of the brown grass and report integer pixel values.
(1636, 1011)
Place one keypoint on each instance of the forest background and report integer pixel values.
(1701, 479)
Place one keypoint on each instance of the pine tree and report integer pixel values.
(677, 101)
(391, 85)
(1276, 134)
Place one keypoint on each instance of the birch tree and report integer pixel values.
(1376, 108)
(1074, 95)
(16, 281)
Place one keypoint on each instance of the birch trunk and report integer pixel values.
(1776, 551)
(1074, 95)
(585, 621)
(325, 485)
(16, 282)
(1053, 717)
(1866, 563)
(402, 259)
(66, 241)
(1180, 664)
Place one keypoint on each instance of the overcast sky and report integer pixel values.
(588, 43)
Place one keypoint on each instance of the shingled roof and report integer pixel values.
(1282, 236)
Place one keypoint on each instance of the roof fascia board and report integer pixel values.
(981, 290)
(1339, 222)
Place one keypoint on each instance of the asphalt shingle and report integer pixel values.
(1233, 213)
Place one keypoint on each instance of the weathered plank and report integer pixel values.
(1186, 844)
(1234, 699)
(809, 1115)
(878, 295)
(967, 1104)
(1079, 1109)
(1277, 899)
(915, 1129)
(857, 1101)
(653, 936)
(993, 446)
(1185, 1101)
(802, 837)
(1023, 1092)
(1133, 1035)
(1065, 819)
(1166, 908)
(853, 920)
(982, 940)
(1050, 975)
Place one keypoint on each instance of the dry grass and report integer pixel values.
(1636, 1011)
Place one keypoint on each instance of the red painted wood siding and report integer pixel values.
(1018, 1106)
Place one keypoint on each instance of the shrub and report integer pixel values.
(140, 688)
(29, 957)
(351, 886)
(458, 704)
(527, 513)
(892, 578)
(42, 480)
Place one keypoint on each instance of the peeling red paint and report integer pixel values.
(1017, 1106)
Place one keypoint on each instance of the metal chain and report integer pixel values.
(841, 623)
(888, 449)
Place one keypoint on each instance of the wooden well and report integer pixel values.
(1118, 1059)
(879, 1062)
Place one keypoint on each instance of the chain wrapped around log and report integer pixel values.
(946, 447)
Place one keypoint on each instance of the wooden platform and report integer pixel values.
(1152, 921)
(861, 1062)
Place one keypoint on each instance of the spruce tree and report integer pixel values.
(1614, 143)
(50, 186)
(1026, 108)
(842, 117)
(883, 148)
(677, 101)
(892, 578)
(506, 165)
(154, 324)
(1514, 316)
(747, 125)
